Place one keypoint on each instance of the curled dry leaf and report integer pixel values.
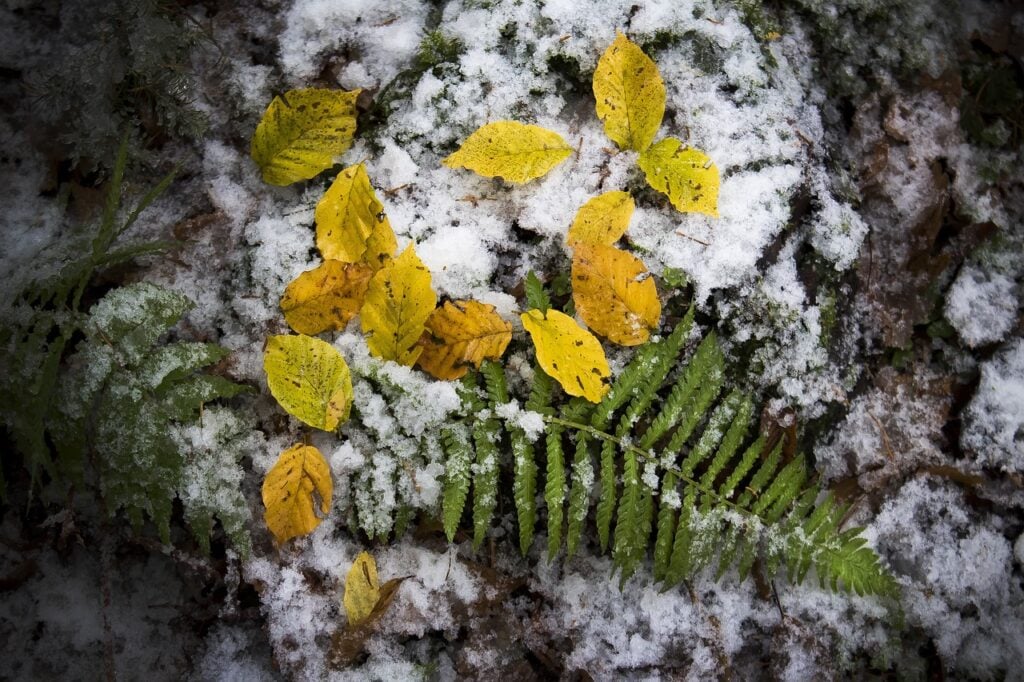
(292, 489)
(686, 175)
(351, 225)
(460, 335)
(325, 298)
(309, 379)
(511, 150)
(614, 294)
(302, 132)
(568, 353)
(398, 302)
(603, 219)
(630, 95)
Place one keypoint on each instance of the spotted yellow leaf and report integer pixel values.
(398, 302)
(462, 334)
(302, 132)
(325, 298)
(603, 219)
(309, 379)
(351, 225)
(568, 353)
(630, 95)
(294, 490)
(362, 589)
(614, 294)
(686, 175)
(511, 150)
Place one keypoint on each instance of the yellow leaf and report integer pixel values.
(291, 490)
(302, 132)
(347, 643)
(630, 95)
(351, 225)
(462, 334)
(603, 219)
(310, 380)
(362, 591)
(325, 298)
(514, 151)
(686, 175)
(568, 353)
(612, 295)
(398, 302)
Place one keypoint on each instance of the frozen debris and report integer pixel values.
(994, 419)
(982, 305)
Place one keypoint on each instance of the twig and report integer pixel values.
(885, 437)
(699, 241)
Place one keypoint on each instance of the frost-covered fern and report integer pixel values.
(681, 477)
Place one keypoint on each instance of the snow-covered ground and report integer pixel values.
(812, 276)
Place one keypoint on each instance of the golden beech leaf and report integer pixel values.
(686, 175)
(603, 219)
(630, 95)
(461, 334)
(568, 353)
(351, 225)
(614, 294)
(361, 589)
(325, 298)
(347, 643)
(309, 379)
(301, 133)
(514, 151)
(291, 489)
(398, 302)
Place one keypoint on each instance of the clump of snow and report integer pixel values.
(994, 420)
(531, 423)
(982, 305)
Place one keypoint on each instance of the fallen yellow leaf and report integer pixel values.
(309, 379)
(462, 334)
(568, 353)
(398, 302)
(613, 295)
(302, 132)
(351, 225)
(291, 489)
(325, 298)
(514, 151)
(686, 175)
(361, 589)
(630, 95)
(603, 219)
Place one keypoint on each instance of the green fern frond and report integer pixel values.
(579, 493)
(458, 467)
(536, 296)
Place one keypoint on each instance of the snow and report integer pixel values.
(994, 431)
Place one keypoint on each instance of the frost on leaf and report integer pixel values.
(568, 353)
(511, 150)
(309, 379)
(325, 298)
(603, 219)
(302, 132)
(351, 225)
(460, 335)
(630, 95)
(398, 302)
(614, 294)
(686, 175)
(297, 482)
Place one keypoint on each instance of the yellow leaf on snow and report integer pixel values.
(302, 132)
(361, 589)
(612, 295)
(514, 151)
(461, 334)
(603, 219)
(568, 353)
(351, 225)
(686, 175)
(290, 492)
(630, 95)
(309, 379)
(398, 302)
(325, 298)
